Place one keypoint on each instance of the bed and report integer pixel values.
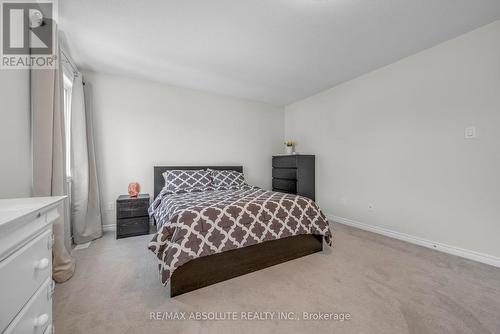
(207, 237)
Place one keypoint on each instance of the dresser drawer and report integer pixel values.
(284, 191)
(286, 161)
(286, 185)
(133, 208)
(36, 315)
(22, 273)
(285, 173)
(132, 226)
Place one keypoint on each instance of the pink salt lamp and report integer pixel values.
(133, 189)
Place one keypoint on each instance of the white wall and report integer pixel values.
(139, 124)
(394, 138)
(15, 142)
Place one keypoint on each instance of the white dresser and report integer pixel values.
(26, 264)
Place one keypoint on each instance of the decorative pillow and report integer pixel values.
(183, 179)
(227, 178)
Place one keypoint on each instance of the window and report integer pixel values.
(68, 85)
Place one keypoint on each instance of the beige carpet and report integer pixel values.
(387, 286)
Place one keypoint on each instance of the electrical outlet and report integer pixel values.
(110, 206)
(370, 206)
(470, 132)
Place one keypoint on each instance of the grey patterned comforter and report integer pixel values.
(196, 224)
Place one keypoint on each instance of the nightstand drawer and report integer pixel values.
(287, 185)
(134, 208)
(132, 226)
(285, 173)
(286, 161)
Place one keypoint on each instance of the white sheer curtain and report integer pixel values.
(85, 207)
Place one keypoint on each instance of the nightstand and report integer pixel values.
(132, 216)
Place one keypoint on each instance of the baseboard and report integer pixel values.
(110, 227)
(465, 253)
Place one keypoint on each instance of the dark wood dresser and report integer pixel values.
(132, 216)
(294, 174)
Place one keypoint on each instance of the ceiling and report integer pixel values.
(274, 51)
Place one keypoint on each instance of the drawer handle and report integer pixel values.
(42, 264)
(41, 320)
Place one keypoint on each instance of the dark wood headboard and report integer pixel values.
(159, 181)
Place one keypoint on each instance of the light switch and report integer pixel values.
(470, 132)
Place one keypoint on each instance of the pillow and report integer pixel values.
(183, 179)
(227, 178)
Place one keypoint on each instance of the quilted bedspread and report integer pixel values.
(196, 224)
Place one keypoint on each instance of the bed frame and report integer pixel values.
(208, 270)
